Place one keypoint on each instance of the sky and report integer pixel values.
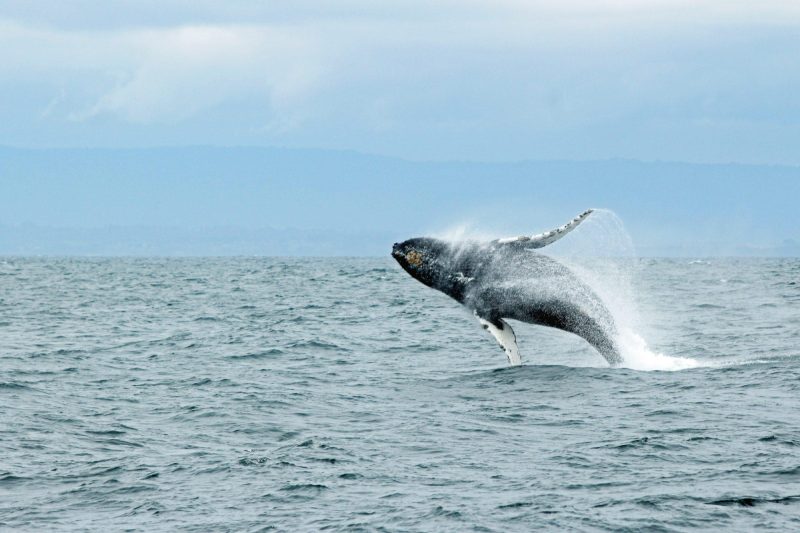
(501, 80)
(336, 126)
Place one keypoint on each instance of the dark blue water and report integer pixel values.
(340, 394)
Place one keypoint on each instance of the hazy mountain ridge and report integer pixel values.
(275, 201)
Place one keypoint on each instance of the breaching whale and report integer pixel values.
(507, 279)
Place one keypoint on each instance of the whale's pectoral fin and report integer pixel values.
(548, 237)
(504, 335)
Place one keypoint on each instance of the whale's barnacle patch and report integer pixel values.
(414, 258)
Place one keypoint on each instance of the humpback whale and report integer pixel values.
(507, 279)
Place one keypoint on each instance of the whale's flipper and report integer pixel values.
(504, 335)
(543, 239)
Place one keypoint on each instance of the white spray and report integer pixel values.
(602, 254)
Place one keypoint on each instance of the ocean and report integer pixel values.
(338, 394)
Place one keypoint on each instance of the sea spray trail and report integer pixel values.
(604, 256)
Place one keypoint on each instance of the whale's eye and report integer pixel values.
(414, 258)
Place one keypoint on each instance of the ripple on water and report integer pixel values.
(306, 394)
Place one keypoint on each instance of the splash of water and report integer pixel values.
(602, 254)
(462, 233)
(637, 355)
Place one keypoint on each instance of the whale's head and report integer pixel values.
(426, 260)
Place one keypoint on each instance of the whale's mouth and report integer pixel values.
(396, 253)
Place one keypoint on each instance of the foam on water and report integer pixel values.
(637, 355)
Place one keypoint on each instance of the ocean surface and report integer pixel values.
(265, 394)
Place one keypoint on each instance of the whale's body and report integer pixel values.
(508, 279)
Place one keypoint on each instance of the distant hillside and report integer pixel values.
(271, 201)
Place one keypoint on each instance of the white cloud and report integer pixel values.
(169, 73)
(157, 75)
(428, 71)
(184, 70)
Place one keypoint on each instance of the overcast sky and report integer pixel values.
(699, 80)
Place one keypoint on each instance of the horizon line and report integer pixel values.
(389, 157)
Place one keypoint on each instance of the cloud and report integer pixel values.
(181, 71)
(398, 77)
(156, 75)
